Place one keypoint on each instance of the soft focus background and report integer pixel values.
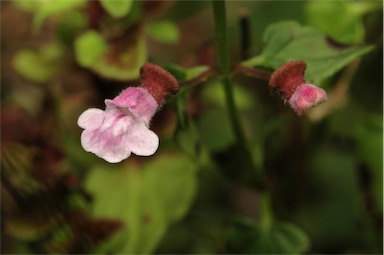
(324, 170)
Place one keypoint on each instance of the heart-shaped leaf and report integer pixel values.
(164, 31)
(147, 200)
(287, 40)
(118, 60)
(89, 47)
(344, 22)
(38, 65)
(117, 8)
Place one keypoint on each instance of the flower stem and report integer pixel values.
(224, 66)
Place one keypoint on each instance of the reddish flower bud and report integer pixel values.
(289, 81)
(158, 82)
(288, 77)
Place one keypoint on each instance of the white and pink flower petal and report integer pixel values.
(139, 102)
(109, 141)
(143, 141)
(91, 119)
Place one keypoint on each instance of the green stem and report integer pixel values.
(224, 66)
(221, 35)
(266, 210)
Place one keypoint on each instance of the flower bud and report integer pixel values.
(289, 81)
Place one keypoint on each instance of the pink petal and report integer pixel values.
(91, 119)
(109, 141)
(142, 141)
(114, 154)
(139, 101)
(305, 97)
(110, 153)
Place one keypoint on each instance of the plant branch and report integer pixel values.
(252, 173)
(245, 40)
(224, 66)
(201, 78)
(252, 72)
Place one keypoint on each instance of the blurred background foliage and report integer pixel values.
(195, 195)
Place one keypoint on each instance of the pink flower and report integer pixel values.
(289, 81)
(305, 97)
(122, 128)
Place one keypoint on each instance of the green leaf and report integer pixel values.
(174, 196)
(164, 31)
(120, 61)
(54, 7)
(249, 237)
(38, 65)
(184, 74)
(344, 22)
(180, 176)
(124, 63)
(286, 41)
(89, 47)
(147, 200)
(117, 8)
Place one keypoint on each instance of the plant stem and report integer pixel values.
(251, 174)
(224, 66)
(219, 14)
(252, 72)
(244, 33)
(266, 210)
